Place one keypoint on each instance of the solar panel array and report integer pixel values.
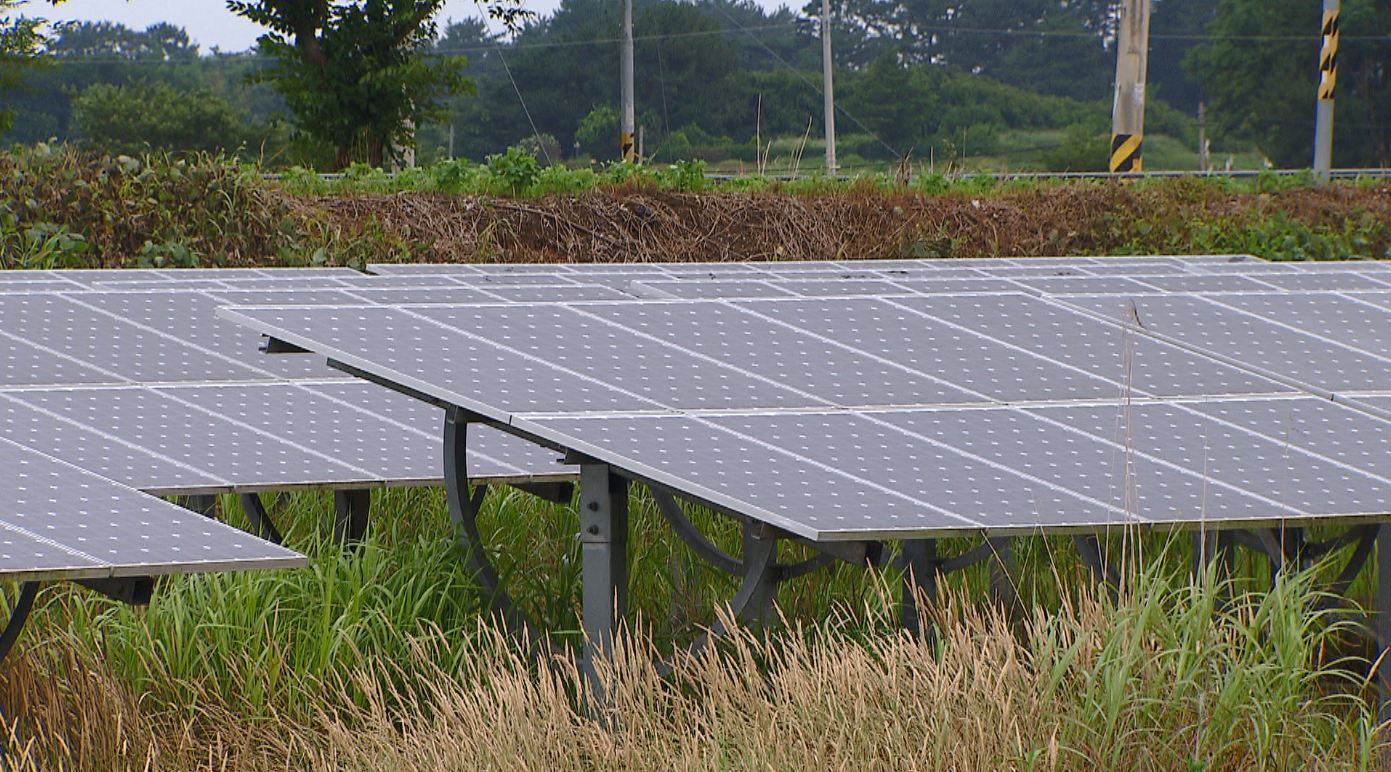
(837, 408)
(143, 384)
(58, 521)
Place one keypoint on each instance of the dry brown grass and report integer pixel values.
(1091, 686)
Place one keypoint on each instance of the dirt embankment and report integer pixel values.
(644, 225)
(68, 209)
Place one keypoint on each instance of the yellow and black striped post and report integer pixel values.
(1126, 153)
(1132, 63)
(1328, 86)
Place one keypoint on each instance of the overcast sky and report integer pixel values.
(210, 23)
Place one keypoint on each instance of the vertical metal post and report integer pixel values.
(350, 512)
(919, 582)
(1204, 160)
(627, 117)
(604, 544)
(1382, 622)
(828, 88)
(1328, 84)
(1128, 109)
(204, 505)
(1002, 571)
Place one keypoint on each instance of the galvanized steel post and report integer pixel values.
(1328, 84)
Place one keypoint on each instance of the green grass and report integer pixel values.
(362, 645)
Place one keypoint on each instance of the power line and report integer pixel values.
(65, 58)
(803, 77)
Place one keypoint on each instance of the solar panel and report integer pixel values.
(24, 364)
(663, 373)
(1140, 363)
(61, 522)
(1314, 362)
(900, 400)
(837, 373)
(191, 317)
(161, 422)
(111, 344)
(102, 452)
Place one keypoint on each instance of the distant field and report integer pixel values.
(1010, 151)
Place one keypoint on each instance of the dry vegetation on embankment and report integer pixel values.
(68, 209)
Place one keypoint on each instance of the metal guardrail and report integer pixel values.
(1337, 174)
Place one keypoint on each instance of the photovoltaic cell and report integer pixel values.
(159, 423)
(61, 522)
(111, 344)
(1260, 345)
(1129, 357)
(108, 455)
(836, 373)
(662, 373)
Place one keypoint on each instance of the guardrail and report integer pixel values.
(1337, 174)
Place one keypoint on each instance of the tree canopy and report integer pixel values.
(354, 74)
(1260, 70)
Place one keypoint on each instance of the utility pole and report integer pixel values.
(1203, 159)
(828, 90)
(627, 119)
(1132, 62)
(1328, 83)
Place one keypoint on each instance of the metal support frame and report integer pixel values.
(1002, 571)
(19, 614)
(920, 570)
(557, 492)
(133, 591)
(1381, 624)
(205, 505)
(604, 563)
(1093, 554)
(261, 523)
(351, 512)
(464, 506)
(693, 538)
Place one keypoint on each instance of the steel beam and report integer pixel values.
(1382, 623)
(261, 523)
(351, 512)
(604, 563)
(920, 569)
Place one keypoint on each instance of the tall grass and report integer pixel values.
(385, 660)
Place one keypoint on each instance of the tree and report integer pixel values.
(1054, 46)
(144, 115)
(21, 39)
(1260, 69)
(355, 74)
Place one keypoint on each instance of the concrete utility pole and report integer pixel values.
(1132, 63)
(829, 96)
(1203, 153)
(1328, 84)
(627, 119)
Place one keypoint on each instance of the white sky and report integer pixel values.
(210, 23)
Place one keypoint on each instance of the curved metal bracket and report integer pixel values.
(1089, 549)
(464, 506)
(693, 538)
(19, 614)
(1367, 539)
(786, 571)
(261, 523)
